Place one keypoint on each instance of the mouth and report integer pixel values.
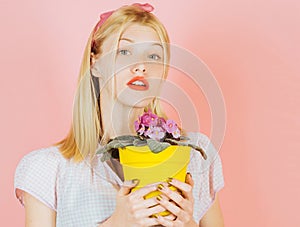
(138, 83)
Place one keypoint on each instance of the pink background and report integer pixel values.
(251, 46)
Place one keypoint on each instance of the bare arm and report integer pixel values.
(213, 217)
(38, 214)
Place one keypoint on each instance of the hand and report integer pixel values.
(180, 205)
(132, 209)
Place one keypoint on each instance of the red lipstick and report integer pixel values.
(138, 83)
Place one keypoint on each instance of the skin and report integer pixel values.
(138, 53)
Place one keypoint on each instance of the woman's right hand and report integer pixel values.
(132, 209)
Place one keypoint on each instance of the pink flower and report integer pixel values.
(156, 133)
(171, 126)
(149, 119)
(136, 125)
(176, 133)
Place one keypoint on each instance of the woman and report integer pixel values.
(124, 65)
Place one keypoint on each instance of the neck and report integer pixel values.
(120, 120)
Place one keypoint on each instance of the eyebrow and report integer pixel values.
(132, 41)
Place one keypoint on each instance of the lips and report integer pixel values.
(138, 83)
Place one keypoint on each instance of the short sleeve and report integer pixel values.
(37, 174)
(207, 175)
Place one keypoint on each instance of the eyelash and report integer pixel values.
(125, 52)
(122, 52)
(155, 56)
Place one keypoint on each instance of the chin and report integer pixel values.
(137, 104)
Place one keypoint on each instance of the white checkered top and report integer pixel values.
(83, 194)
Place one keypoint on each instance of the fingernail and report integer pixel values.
(160, 187)
(135, 181)
(169, 180)
(159, 198)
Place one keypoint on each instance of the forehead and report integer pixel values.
(140, 33)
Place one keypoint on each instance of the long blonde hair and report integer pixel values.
(86, 130)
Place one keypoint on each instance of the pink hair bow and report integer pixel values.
(103, 18)
(146, 7)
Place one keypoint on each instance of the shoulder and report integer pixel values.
(199, 138)
(39, 159)
(203, 141)
(37, 174)
(51, 152)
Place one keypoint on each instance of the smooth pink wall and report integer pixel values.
(251, 46)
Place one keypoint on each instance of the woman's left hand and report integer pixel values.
(180, 205)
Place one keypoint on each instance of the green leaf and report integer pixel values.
(156, 146)
(118, 144)
(106, 156)
(139, 143)
(128, 138)
(101, 150)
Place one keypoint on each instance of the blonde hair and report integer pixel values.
(86, 130)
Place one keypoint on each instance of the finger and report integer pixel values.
(175, 196)
(173, 208)
(140, 193)
(143, 213)
(145, 203)
(189, 179)
(148, 222)
(167, 222)
(185, 188)
(171, 217)
(127, 186)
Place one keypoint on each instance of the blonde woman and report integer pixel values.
(124, 65)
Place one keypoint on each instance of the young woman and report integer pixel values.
(124, 65)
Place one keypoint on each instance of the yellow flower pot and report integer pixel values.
(140, 163)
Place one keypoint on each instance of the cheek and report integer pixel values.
(124, 63)
(121, 79)
(155, 70)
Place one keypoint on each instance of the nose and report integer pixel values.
(139, 68)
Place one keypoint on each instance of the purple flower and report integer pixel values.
(149, 119)
(156, 133)
(176, 133)
(171, 126)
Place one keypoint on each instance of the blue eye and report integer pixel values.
(124, 52)
(155, 57)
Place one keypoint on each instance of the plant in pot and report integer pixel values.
(157, 152)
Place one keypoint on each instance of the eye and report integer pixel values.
(154, 57)
(124, 52)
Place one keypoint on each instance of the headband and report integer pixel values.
(103, 17)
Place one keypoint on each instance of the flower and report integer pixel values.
(156, 133)
(176, 133)
(153, 131)
(149, 119)
(171, 126)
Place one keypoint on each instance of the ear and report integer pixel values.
(95, 67)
